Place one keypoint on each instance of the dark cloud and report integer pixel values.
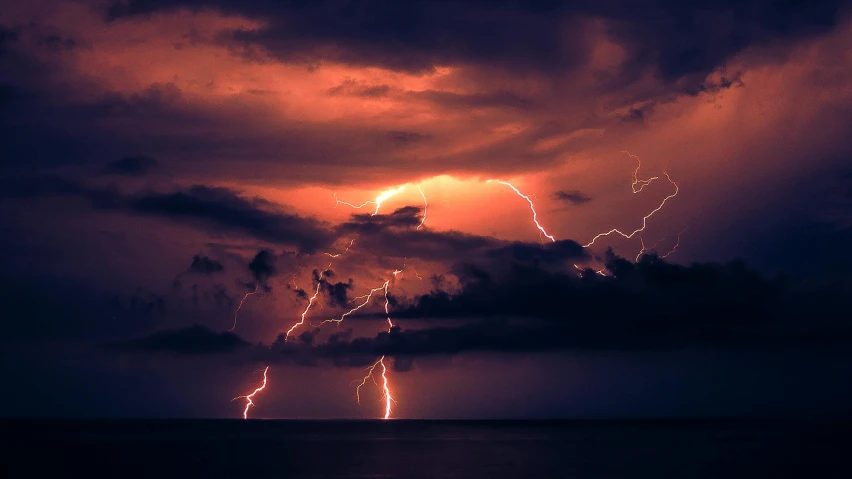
(262, 266)
(215, 208)
(147, 303)
(676, 39)
(650, 305)
(131, 166)
(7, 36)
(405, 138)
(395, 235)
(554, 252)
(634, 114)
(352, 87)
(405, 217)
(424, 244)
(57, 42)
(205, 266)
(575, 197)
(651, 289)
(197, 339)
(336, 293)
(225, 208)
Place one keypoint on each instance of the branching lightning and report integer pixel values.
(367, 297)
(310, 303)
(386, 393)
(249, 397)
(666, 255)
(644, 219)
(636, 181)
(362, 301)
(532, 208)
(378, 201)
(237, 311)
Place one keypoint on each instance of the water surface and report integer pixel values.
(427, 449)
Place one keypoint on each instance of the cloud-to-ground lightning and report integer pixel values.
(378, 201)
(425, 206)
(644, 219)
(532, 208)
(362, 301)
(249, 397)
(237, 311)
(386, 393)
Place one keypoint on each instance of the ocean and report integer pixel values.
(426, 449)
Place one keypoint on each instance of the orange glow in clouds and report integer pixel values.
(378, 201)
(532, 208)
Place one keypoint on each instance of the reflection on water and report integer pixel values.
(427, 449)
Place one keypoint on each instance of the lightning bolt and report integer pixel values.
(425, 205)
(532, 208)
(645, 248)
(641, 251)
(637, 185)
(367, 297)
(310, 303)
(337, 255)
(636, 181)
(378, 201)
(237, 311)
(249, 397)
(386, 393)
(674, 248)
(644, 219)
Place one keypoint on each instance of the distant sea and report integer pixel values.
(238, 449)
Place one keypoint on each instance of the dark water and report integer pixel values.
(426, 449)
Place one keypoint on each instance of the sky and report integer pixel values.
(535, 209)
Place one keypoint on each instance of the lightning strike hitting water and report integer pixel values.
(637, 185)
(237, 311)
(249, 397)
(386, 394)
(378, 201)
(425, 205)
(532, 208)
(644, 219)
